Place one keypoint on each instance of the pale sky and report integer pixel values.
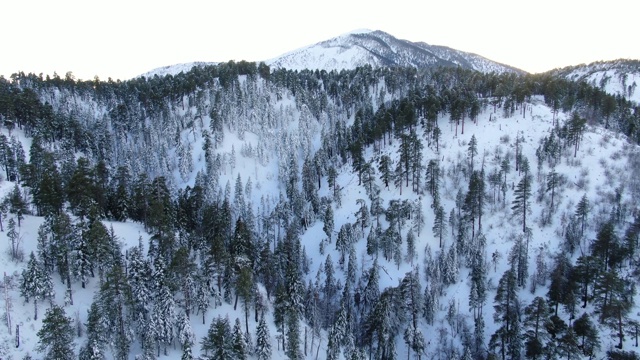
(123, 39)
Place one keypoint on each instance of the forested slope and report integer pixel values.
(373, 213)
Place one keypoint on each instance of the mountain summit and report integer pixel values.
(378, 48)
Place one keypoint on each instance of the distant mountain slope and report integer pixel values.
(174, 69)
(617, 77)
(377, 49)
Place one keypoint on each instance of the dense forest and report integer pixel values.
(165, 152)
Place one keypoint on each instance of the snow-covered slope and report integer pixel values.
(377, 48)
(175, 69)
(617, 77)
(268, 131)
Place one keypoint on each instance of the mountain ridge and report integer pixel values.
(616, 77)
(381, 49)
(365, 47)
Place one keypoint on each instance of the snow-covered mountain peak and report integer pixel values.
(378, 48)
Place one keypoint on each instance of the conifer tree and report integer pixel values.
(560, 288)
(587, 333)
(505, 167)
(433, 177)
(439, 227)
(613, 298)
(56, 335)
(553, 180)
(14, 239)
(472, 150)
(263, 340)
(478, 291)
(96, 338)
(568, 345)
(17, 204)
(508, 337)
(384, 167)
(582, 211)
(217, 343)
(238, 344)
(575, 129)
(519, 260)
(535, 324)
(36, 283)
(113, 296)
(412, 294)
(186, 337)
(521, 205)
(606, 246)
(328, 222)
(373, 241)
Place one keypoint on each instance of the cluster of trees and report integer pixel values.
(596, 279)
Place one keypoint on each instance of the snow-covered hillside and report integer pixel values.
(377, 48)
(279, 181)
(602, 154)
(617, 77)
(174, 69)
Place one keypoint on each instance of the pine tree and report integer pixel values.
(412, 294)
(373, 241)
(536, 337)
(186, 337)
(473, 201)
(82, 262)
(164, 316)
(113, 296)
(217, 343)
(36, 283)
(505, 167)
(560, 288)
(582, 211)
(411, 247)
(56, 335)
(96, 338)
(606, 246)
(433, 177)
(63, 240)
(575, 129)
(202, 296)
(587, 333)
(14, 240)
(521, 205)
(430, 304)
(439, 227)
(507, 337)
(17, 204)
(478, 291)
(263, 340)
(328, 222)
(519, 260)
(553, 182)
(613, 298)
(568, 345)
(585, 271)
(238, 345)
(472, 150)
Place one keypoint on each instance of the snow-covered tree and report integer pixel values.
(263, 340)
(36, 283)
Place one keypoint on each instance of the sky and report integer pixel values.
(123, 39)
